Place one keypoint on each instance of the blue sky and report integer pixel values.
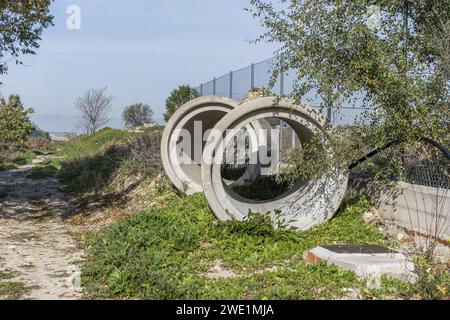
(140, 49)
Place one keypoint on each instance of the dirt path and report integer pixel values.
(37, 250)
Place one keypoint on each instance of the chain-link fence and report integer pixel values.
(236, 85)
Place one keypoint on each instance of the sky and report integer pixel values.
(139, 49)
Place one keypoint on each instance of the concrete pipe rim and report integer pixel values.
(183, 180)
(171, 168)
(226, 205)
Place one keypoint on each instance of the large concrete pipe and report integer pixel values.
(186, 175)
(307, 203)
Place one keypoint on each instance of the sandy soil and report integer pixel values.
(36, 245)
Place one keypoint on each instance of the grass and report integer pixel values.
(8, 274)
(20, 160)
(43, 171)
(12, 290)
(84, 146)
(164, 253)
(85, 163)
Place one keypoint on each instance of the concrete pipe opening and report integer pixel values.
(185, 136)
(303, 205)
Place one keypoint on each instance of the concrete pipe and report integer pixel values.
(307, 203)
(189, 126)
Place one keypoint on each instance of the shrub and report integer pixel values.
(177, 98)
(15, 124)
(137, 115)
(39, 143)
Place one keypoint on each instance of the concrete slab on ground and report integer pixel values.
(365, 260)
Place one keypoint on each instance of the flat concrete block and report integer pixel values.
(366, 261)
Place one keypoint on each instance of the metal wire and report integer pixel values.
(236, 85)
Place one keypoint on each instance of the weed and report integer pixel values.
(12, 290)
(164, 253)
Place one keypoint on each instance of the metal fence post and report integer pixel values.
(281, 76)
(329, 110)
(231, 84)
(214, 86)
(329, 115)
(252, 77)
(201, 89)
(280, 142)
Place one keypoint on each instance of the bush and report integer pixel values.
(39, 143)
(137, 115)
(165, 252)
(177, 98)
(9, 154)
(37, 132)
(15, 124)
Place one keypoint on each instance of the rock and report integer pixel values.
(219, 272)
(368, 217)
(351, 294)
(371, 217)
(93, 205)
(401, 236)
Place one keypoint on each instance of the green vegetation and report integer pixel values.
(12, 290)
(392, 57)
(263, 188)
(21, 25)
(177, 98)
(8, 274)
(137, 115)
(168, 251)
(15, 124)
(179, 250)
(19, 160)
(85, 163)
(165, 253)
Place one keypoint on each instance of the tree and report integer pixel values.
(399, 65)
(137, 115)
(177, 98)
(94, 107)
(21, 25)
(15, 124)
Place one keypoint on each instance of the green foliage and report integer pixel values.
(37, 132)
(20, 159)
(399, 67)
(24, 158)
(137, 115)
(15, 124)
(263, 188)
(88, 145)
(12, 290)
(432, 283)
(43, 171)
(177, 98)
(89, 161)
(164, 253)
(21, 25)
(89, 164)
